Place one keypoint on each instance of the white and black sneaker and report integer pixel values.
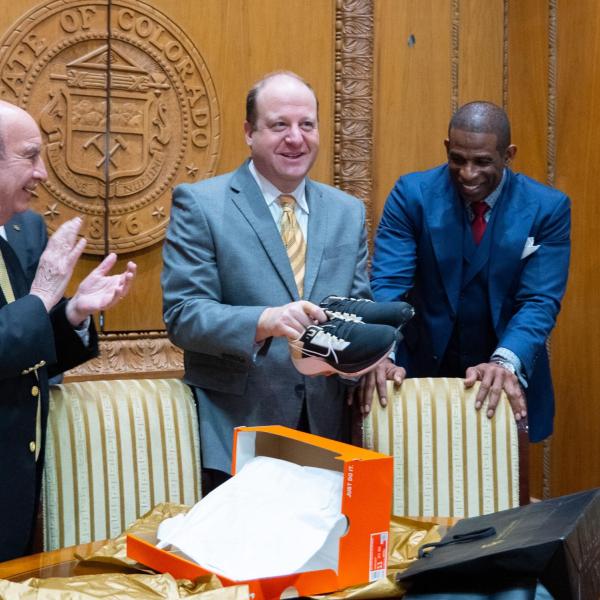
(342, 346)
(394, 314)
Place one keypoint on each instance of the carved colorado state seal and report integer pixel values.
(125, 116)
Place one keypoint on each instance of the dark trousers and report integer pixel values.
(213, 478)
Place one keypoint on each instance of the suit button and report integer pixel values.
(299, 389)
(35, 390)
(32, 447)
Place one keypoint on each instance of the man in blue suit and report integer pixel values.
(483, 255)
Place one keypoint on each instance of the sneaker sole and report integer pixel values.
(313, 365)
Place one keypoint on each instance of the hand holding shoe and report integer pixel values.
(289, 320)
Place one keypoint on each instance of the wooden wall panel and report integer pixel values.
(528, 85)
(576, 443)
(429, 56)
(241, 40)
(554, 106)
(527, 104)
(412, 89)
(480, 50)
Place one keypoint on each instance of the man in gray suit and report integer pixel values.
(229, 287)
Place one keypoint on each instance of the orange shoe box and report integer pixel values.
(366, 502)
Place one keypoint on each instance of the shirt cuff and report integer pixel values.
(504, 357)
(83, 331)
(256, 348)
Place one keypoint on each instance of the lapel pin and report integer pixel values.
(17, 227)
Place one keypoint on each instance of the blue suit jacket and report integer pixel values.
(224, 264)
(419, 253)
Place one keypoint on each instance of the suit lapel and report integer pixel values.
(247, 197)
(15, 271)
(444, 216)
(16, 237)
(317, 234)
(513, 226)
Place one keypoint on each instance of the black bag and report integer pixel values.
(523, 592)
(556, 542)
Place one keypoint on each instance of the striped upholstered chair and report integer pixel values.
(450, 460)
(114, 449)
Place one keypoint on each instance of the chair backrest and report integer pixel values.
(450, 460)
(114, 449)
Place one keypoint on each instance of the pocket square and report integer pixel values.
(529, 248)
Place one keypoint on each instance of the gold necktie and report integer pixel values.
(293, 240)
(5, 282)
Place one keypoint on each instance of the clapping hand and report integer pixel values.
(100, 291)
(57, 263)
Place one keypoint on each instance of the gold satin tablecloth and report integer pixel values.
(137, 582)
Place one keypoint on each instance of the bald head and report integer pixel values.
(282, 129)
(483, 117)
(21, 164)
(8, 113)
(252, 96)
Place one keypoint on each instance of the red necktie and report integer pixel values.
(478, 225)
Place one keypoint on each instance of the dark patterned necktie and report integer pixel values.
(5, 285)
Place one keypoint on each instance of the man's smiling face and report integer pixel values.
(21, 164)
(476, 163)
(284, 141)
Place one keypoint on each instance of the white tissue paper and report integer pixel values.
(272, 518)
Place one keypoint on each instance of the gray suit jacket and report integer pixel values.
(224, 263)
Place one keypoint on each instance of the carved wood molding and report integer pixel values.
(127, 355)
(454, 53)
(505, 55)
(552, 77)
(550, 180)
(353, 114)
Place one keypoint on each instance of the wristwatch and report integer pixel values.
(505, 365)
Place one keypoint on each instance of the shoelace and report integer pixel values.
(351, 300)
(334, 314)
(330, 338)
